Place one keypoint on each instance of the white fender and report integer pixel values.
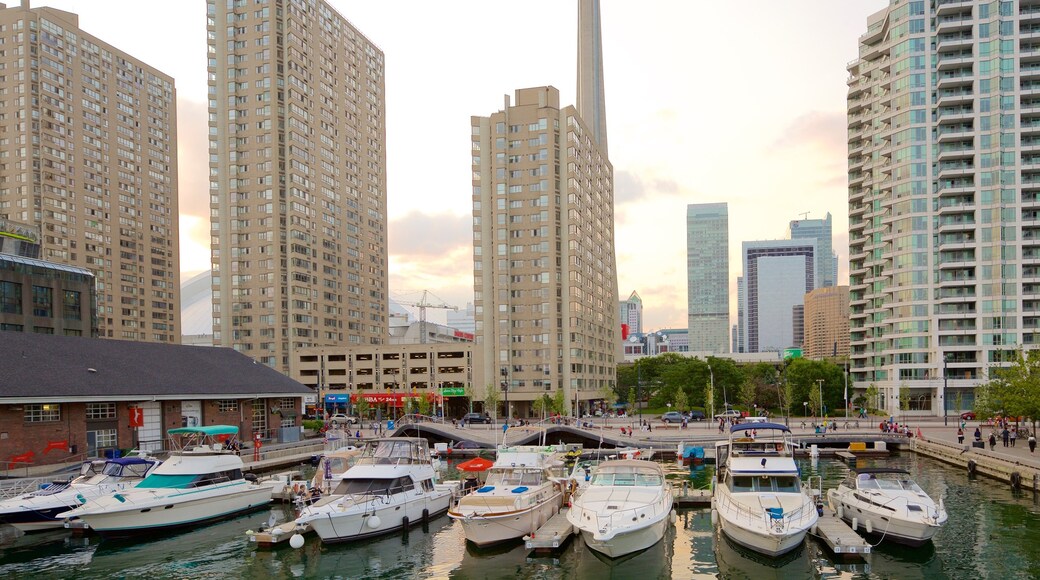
(714, 517)
(296, 541)
(870, 527)
(841, 512)
(672, 517)
(373, 521)
(855, 523)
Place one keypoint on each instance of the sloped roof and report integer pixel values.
(61, 368)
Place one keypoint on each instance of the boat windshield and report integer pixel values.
(386, 452)
(369, 486)
(764, 483)
(897, 482)
(515, 477)
(128, 470)
(626, 478)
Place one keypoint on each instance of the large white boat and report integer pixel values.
(758, 498)
(39, 510)
(523, 489)
(626, 507)
(392, 485)
(200, 482)
(888, 503)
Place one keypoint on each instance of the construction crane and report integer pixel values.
(422, 305)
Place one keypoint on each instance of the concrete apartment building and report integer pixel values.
(944, 196)
(777, 275)
(707, 276)
(827, 323)
(88, 154)
(545, 282)
(297, 179)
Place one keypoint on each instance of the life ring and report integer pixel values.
(1016, 480)
(971, 467)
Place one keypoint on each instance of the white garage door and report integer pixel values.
(150, 436)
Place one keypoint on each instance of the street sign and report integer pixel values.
(453, 392)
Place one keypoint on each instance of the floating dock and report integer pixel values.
(690, 498)
(553, 533)
(839, 537)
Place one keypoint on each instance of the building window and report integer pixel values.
(43, 301)
(227, 405)
(101, 411)
(287, 403)
(10, 298)
(73, 332)
(43, 330)
(42, 413)
(14, 327)
(71, 306)
(101, 439)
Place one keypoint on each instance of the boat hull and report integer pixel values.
(893, 529)
(156, 511)
(763, 543)
(627, 542)
(357, 522)
(36, 519)
(494, 528)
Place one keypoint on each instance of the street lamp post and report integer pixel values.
(505, 390)
(820, 383)
(945, 391)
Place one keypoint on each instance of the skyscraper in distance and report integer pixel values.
(707, 276)
(89, 156)
(632, 313)
(297, 179)
(821, 231)
(777, 275)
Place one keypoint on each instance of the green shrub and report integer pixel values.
(313, 424)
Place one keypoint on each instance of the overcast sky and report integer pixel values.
(741, 103)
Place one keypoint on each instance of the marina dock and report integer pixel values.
(553, 533)
(691, 498)
(839, 537)
(271, 537)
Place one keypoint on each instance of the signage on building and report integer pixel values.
(136, 417)
(337, 398)
(453, 392)
(792, 353)
(464, 335)
(19, 231)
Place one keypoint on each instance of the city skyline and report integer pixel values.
(794, 140)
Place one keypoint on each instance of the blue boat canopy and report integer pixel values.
(208, 430)
(758, 426)
(131, 460)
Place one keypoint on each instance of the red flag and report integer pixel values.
(136, 417)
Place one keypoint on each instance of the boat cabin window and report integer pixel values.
(890, 482)
(391, 452)
(515, 477)
(129, 470)
(371, 486)
(764, 483)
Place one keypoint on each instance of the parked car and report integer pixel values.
(696, 415)
(475, 418)
(672, 417)
(729, 414)
(968, 415)
(341, 419)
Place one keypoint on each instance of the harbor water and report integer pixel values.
(992, 533)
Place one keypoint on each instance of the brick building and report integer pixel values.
(63, 398)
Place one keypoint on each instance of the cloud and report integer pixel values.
(819, 129)
(629, 187)
(193, 160)
(419, 235)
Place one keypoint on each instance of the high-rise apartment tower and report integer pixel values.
(297, 179)
(944, 196)
(631, 312)
(88, 154)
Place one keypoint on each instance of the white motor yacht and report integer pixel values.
(523, 489)
(39, 510)
(626, 507)
(758, 498)
(202, 481)
(888, 503)
(392, 485)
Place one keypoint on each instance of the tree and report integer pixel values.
(361, 407)
(958, 401)
(746, 393)
(681, 401)
(559, 402)
(470, 395)
(491, 398)
(1013, 391)
(542, 405)
(423, 405)
(814, 399)
(872, 399)
(632, 401)
(904, 398)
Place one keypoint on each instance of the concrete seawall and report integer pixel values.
(1019, 474)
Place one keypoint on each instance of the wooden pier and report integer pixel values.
(839, 537)
(553, 533)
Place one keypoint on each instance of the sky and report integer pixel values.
(706, 102)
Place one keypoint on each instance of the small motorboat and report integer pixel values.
(391, 486)
(758, 497)
(626, 507)
(202, 481)
(886, 502)
(39, 510)
(523, 489)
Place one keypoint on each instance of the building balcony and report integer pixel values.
(953, 40)
(952, 97)
(949, 134)
(957, 224)
(955, 151)
(946, 8)
(955, 169)
(954, 23)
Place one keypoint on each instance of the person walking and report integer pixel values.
(1013, 435)
(992, 440)
(978, 434)
(1005, 435)
(960, 436)
(1032, 442)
